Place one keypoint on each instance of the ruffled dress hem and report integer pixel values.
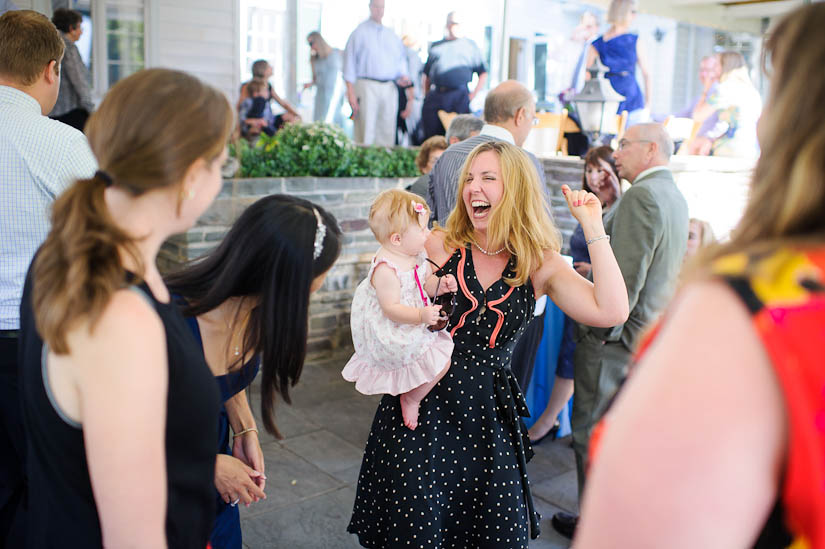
(371, 380)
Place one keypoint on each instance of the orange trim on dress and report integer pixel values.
(463, 285)
(500, 314)
(449, 257)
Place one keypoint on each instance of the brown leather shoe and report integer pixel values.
(565, 523)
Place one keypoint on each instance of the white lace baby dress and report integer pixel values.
(392, 358)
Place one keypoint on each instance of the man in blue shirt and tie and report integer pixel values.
(374, 59)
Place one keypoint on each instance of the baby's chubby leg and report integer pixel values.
(412, 399)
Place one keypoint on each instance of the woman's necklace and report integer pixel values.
(232, 335)
(485, 252)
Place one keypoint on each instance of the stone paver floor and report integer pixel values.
(311, 474)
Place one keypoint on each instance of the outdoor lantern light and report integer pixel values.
(597, 102)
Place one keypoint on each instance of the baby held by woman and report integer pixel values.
(396, 352)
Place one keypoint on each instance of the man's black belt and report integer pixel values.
(445, 89)
(9, 334)
(374, 79)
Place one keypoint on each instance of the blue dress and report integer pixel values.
(226, 533)
(619, 56)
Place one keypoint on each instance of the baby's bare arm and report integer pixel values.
(388, 290)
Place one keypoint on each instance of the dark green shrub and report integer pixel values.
(321, 150)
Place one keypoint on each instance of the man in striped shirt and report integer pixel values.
(39, 158)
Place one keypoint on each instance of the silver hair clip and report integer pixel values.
(320, 233)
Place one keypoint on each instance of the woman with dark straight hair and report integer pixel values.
(118, 403)
(247, 302)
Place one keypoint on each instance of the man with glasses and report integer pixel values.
(649, 236)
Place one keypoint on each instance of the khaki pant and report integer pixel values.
(375, 122)
(600, 368)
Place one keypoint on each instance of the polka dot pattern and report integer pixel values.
(459, 480)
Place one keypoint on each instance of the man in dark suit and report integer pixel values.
(649, 236)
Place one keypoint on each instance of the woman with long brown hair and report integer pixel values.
(717, 439)
(119, 405)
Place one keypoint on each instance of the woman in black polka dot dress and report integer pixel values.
(460, 479)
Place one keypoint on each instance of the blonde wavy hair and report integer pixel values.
(787, 197)
(521, 221)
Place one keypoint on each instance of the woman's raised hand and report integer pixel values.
(584, 206)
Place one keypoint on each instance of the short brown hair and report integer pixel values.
(432, 144)
(255, 86)
(28, 43)
(259, 68)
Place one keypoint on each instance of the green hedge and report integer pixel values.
(321, 150)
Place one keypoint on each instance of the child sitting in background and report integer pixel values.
(256, 114)
(395, 353)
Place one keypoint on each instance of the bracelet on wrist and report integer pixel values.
(249, 430)
(597, 238)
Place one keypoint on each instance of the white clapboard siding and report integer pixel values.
(197, 36)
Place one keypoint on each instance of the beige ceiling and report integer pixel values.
(743, 15)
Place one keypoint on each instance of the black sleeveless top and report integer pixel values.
(61, 502)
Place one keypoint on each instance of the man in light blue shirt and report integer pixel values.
(39, 158)
(374, 59)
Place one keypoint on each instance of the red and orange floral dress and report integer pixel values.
(785, 294)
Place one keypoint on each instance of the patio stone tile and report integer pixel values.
(350, 418)
(561, 491)
(326, 451)
(317, 523)
(552, 459)
(290, 480)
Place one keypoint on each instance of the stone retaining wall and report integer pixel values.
(349, 199)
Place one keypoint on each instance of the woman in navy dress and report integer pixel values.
(247, 303)
(619, 51)
(460, 479)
